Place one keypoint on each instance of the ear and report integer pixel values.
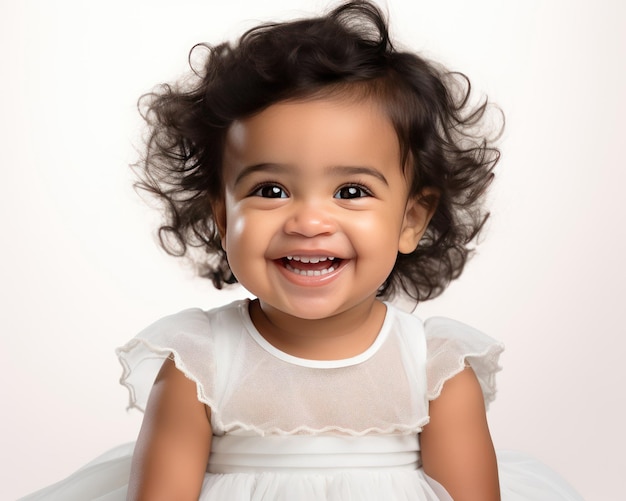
(419, 210)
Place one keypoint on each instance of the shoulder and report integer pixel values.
(408, 331)
(190, 329)
(406, 325)
(192, 339)
(196, 321)
(452, 347)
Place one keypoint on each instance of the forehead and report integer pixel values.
(329, 131)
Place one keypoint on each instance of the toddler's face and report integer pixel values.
(316, 205)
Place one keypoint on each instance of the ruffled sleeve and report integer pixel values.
(185, 338)
(452, 346)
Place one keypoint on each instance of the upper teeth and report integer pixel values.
(310, 259)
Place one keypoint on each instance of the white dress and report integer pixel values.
(287, 428)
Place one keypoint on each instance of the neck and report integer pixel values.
(337, 337)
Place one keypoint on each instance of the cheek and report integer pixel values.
(236, 244)
(246, 233)
(236, 226)
(380, 229)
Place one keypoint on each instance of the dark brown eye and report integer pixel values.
(352, 191)
(269, 191)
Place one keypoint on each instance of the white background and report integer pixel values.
(80, 272)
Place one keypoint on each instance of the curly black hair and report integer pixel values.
(445, 141)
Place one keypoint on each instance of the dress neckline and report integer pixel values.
(316, 364)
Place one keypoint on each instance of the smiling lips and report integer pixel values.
(311, 266)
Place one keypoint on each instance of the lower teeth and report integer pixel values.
(310, 273)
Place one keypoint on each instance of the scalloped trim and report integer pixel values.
(306, 430)
(487, 378)
(165, 353)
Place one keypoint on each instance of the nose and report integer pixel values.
(310, 219)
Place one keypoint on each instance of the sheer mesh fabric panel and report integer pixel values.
(268, 395)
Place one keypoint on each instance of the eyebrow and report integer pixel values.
(264, 167)
(283, 168)
(358, 170)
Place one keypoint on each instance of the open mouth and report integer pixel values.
(311, 266)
